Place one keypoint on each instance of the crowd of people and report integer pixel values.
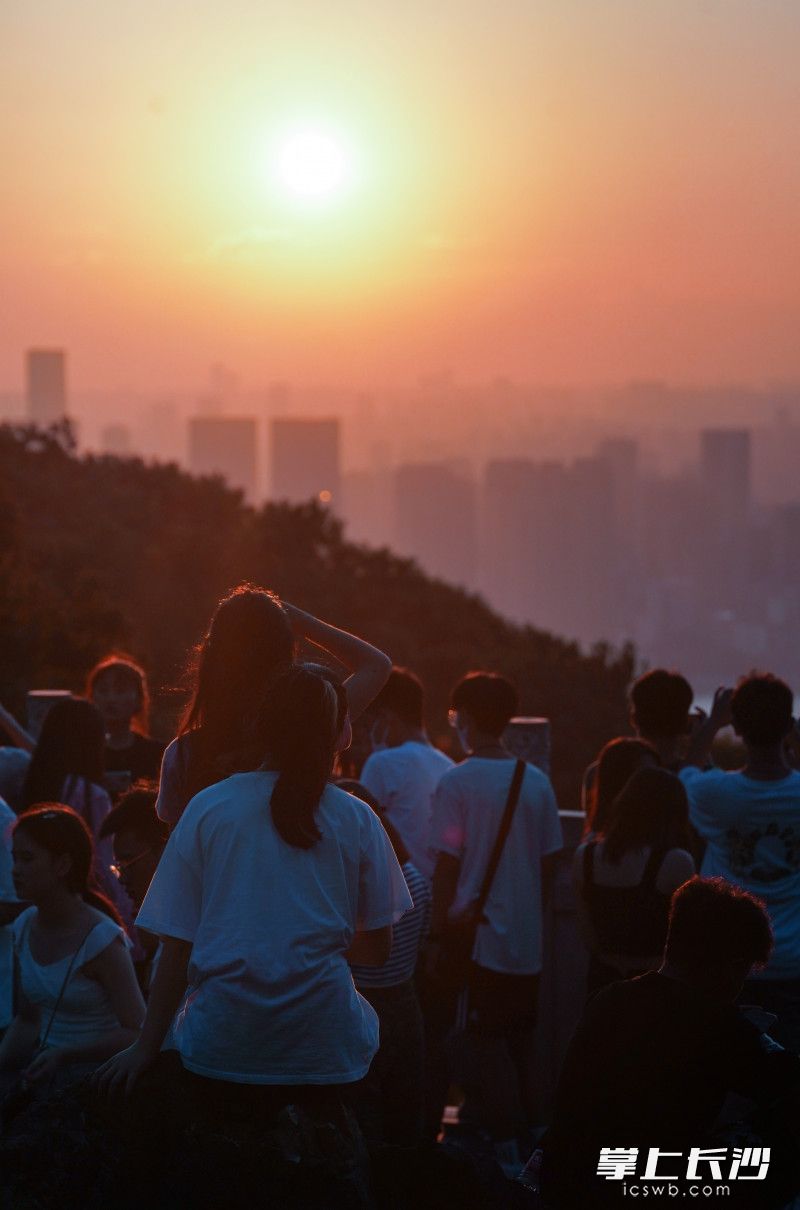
(251, 978)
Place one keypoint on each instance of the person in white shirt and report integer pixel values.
(404, 768)
(750, 822)
(269, 884)
(469, 805)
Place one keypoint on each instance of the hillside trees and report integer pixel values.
(101, 552)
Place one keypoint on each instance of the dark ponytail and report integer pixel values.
(59, 829)
(299, 724)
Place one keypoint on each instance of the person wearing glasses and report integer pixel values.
(138, 837)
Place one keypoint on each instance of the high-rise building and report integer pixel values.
(46, 385)
(436, 519)
(725, 469)
(304, 461)
(227, 446)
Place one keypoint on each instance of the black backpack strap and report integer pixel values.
(500, 839)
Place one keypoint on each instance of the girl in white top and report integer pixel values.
(78, 996)
(269, 884)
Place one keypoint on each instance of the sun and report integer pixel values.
(313, 164)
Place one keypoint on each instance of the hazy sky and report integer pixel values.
(557, 189)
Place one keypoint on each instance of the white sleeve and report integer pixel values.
(172, 798)
(448, 829)
(372, 778)
(383, 895)
(173, 903)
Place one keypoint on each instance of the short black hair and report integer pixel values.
(761, 708)
(661, 701)
(404, 695)
(713, 923)
(136, 812)
(489, 698)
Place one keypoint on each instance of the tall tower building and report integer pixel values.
(436, 519)
(46, 385)
(725, 469)
(227, 446)
(304, 461)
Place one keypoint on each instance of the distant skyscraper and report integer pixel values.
(304, 461)
(436, 519)
(46, 385)
(725, 469)
(225, 445)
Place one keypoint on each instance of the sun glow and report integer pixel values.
(312, 164)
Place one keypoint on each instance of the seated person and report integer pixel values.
(139, 837)
(653, 1059)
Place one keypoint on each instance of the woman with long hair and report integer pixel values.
(117, 685)
(271, 881)
(67, 767)
(251, 640)
(624, 879)
(78, 999)
(616, 764)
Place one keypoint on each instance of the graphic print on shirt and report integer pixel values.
(764, 854)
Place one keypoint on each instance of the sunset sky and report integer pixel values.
(562, 190)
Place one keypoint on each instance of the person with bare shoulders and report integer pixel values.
(625, 878)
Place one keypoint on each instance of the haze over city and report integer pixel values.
(471, 238)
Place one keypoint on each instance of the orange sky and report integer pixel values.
(556, 189)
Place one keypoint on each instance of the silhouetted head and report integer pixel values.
(299, 725)
(398, 709)
(617, 763)
(72, 742)
(717, 934)
(761, 708)
(118, 687)
(651, 810)
(52, 849)
(483, 702)
(249, 642)
(138, 837)
(660, 704)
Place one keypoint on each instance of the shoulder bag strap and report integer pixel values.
(57, 1004)
(500, 839)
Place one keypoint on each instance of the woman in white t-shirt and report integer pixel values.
(78, 996)
(269, 884)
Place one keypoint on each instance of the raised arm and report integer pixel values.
(369, 668)
(706, 729)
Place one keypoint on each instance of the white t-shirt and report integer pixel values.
(752, 832)
(403, 779)
(270, 997)
(467, 811)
